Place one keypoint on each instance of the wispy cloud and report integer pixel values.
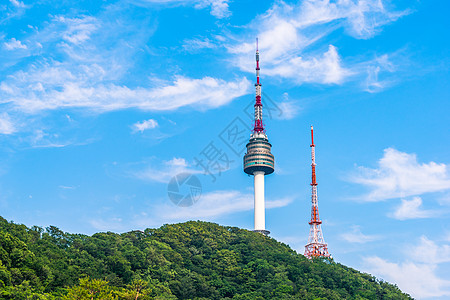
(210, 206)
(289, 108)
(49, 138)
(411, 209)
(447, 236)
(356, 236)
(93, 46)
(326, 68)
(193, 45)
(418, 279)
(17, 3)
(144, 125)
(429, 252)
(67, 187)
(287, 33)
(399, 174)
(374, 69)
(444, 199)
(66, 89)
(15, 9)
(78, 30)
(361, 18)
(219, 8)
(417, 274)
(88, 69)
(84, 63)
(109, 224)
(6, 125)
(163, 172)
(14, 44)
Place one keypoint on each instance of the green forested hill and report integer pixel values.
(193, 260)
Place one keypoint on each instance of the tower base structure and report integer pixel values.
(316, 250)
(265, 232)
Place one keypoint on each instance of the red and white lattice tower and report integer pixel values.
(316, 246)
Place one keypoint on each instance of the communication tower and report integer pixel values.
(316, 246)
(258, 161)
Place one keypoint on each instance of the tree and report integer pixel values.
(192, 260)
(137, 289)
(90, 289)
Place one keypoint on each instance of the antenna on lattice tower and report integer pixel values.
(316, 246)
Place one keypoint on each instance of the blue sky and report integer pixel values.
(103, 102)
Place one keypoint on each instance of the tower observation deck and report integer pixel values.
(259, 161)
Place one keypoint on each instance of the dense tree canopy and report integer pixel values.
(193, 260)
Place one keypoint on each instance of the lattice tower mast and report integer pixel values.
(316, 246)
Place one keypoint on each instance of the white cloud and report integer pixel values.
(144, 125)
(418, 274)
(209, 207)
(219, 8)
(213, 204)
(321, 67)
(324, 69)
(362, 18)
(411, 209)
(92, 47)
(6, 126)
(289, 108)
(42, 139)
(17, 3)
(374, 68)
(447, 237)
(193, 45)
(78, 30)
(372, 82)
(444, 199)
(287, 32)
(93, 60)
(429, 252)
(14, 44)
(67, 187)
(55, 87)
(107, 225)
(419, 280)
(399, 174)
(164, 171)
(356, 236)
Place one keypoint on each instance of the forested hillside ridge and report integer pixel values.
(192, 260)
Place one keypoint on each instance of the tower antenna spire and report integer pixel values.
(316, 246)
(259, 161)
(258, 126)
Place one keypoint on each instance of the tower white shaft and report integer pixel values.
(260, 223)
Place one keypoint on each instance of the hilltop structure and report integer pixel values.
(259, 161)
(316, 246)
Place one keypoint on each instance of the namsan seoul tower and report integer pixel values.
(316, 246)
(258, 161)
